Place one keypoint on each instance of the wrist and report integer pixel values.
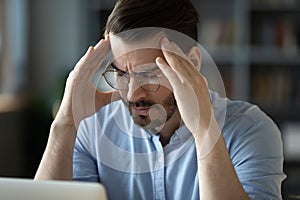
(62, 119)
(63, 125)
(206, 139)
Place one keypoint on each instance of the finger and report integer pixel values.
(170, 46)
(105, 40)
(183, 57)
(98, 53)
(93, 60)
(175, 57)
(183, 67)
(171, 75)
(93, 55)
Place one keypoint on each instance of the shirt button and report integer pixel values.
(161, 159)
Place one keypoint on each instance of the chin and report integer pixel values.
(141, 121)
(155, 125)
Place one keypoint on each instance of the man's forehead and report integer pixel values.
(148, 37)
(120, 46)
(140, 59)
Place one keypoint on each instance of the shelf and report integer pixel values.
(12, 102)
(257, 54)
(276, 6)
(221, 54)
(257, 49)
(275, 55)
(275, 9)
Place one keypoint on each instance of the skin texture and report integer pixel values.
(141, 102)
(217, 177)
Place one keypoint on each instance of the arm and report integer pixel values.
(217, 177)
(57, 160)
(77, 104)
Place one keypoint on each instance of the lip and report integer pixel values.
(144, 110)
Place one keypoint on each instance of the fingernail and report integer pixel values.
(99, 43)
(89, 49)
(164, 41)
(159, 60)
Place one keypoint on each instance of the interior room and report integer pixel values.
(254, 43)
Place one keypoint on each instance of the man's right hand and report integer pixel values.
(81, 99)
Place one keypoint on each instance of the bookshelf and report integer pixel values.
(256, 46)
(275, 54)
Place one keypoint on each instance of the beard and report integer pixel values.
(162, 113)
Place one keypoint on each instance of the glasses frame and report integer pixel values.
(138, 82)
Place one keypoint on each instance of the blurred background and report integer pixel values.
(255, 44)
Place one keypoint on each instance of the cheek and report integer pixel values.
(163, 93)
(123, 94)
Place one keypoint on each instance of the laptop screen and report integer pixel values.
(20, 189)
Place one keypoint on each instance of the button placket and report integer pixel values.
(158, 173)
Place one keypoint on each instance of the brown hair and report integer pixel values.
(178, 15)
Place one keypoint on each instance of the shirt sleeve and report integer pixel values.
(84, 164)
(255, 145)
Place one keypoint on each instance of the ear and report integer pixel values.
(194, 56)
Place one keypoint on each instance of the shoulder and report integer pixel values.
(236, 115)
(244, 116)
(246, 128)
(250, 134)
(255, 146)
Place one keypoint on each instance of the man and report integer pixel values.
(163, 139)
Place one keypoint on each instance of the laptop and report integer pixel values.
(28, 189)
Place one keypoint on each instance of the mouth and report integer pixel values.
(140, 108)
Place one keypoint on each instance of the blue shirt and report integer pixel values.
(132, 164)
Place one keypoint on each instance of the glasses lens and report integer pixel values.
(116, 80)
(119, 80)
(148, 81)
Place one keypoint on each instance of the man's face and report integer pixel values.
(150, 100)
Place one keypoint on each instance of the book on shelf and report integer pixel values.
(276, 31)
(276, 89)
(216, 32)
(276, 3)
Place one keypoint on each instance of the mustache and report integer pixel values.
(142, 103)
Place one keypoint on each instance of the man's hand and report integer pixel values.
(189, 86)
(217, 176)
(81, 99)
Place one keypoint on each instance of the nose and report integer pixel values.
(135, 92)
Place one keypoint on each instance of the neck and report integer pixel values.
(169, 128)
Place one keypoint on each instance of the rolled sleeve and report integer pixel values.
(84, 163)
(255, 146)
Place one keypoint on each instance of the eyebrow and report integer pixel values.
(153, 68)
(148, 67)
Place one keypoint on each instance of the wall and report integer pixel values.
(53, 35)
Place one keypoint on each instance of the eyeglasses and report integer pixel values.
(119, 80)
